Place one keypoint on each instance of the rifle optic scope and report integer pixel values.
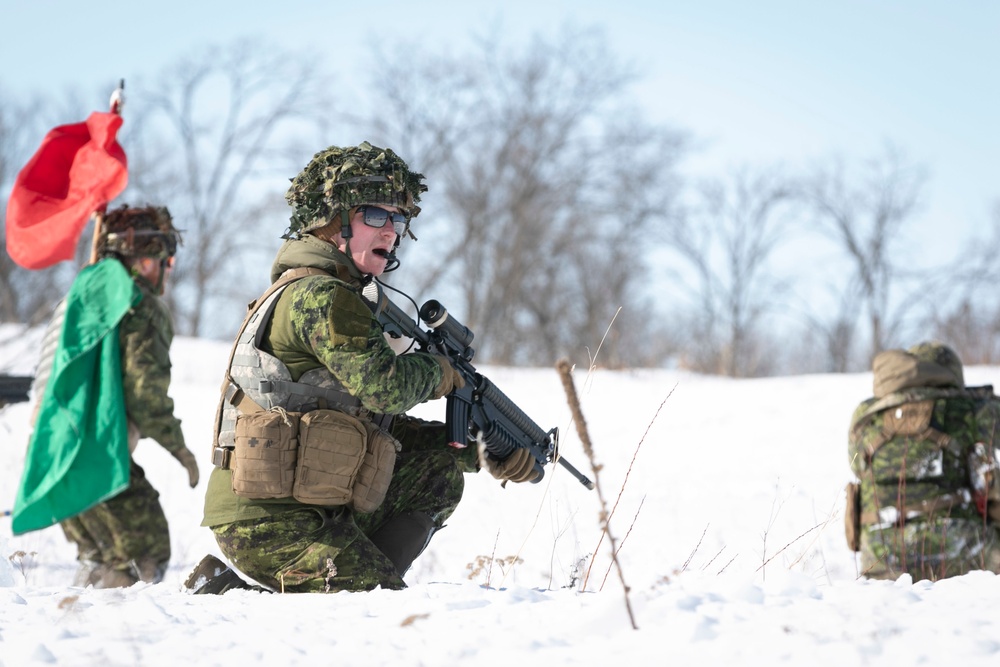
(436, 317)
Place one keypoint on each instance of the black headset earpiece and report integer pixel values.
(345, 224)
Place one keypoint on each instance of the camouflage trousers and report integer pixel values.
(127, 534)
(932, 550)
(325, 550)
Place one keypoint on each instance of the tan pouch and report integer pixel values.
(376, 471)
(852, 516)
(908, 418)
(332, 447)
(265, 454)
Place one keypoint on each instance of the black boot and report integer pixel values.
(213, 577)
(404, 537)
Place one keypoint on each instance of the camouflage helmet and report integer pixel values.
(339, 178)
(138, 232)
(941, 355)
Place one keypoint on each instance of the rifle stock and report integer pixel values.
(479, 409)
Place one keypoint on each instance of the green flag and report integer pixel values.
(78, 452)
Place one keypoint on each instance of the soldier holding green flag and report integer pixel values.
(101, 387)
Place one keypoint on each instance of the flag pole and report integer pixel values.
(98, 227)
(117, 102)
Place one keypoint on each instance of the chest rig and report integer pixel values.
(257, 380)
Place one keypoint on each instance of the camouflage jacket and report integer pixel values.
(324, 321)
(145, 335)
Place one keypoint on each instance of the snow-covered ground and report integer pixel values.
(727, 500)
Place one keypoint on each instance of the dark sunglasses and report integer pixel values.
(377, 217)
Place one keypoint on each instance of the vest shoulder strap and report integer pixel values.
(230, 391)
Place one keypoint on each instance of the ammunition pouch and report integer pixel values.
(321, 457)
(373, 478)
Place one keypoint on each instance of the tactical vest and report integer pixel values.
(256, 380)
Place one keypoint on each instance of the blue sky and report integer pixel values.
(757, 82)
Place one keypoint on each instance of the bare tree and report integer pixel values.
(837, 333)
(12, 156)
(546, 190)
(216, 141)
(961, 304)
(865, 217)
(726, 240)
(972, 329)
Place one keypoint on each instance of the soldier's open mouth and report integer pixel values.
(381, 252)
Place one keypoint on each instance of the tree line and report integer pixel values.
(559, 221)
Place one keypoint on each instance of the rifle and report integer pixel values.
(14, 388)
(479, 409)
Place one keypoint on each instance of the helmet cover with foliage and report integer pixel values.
(340, 178)
(942, 355)
(138, 232)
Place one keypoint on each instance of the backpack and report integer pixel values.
(922, 450)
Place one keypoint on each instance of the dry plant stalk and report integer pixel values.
(565, 373)
(493, 557)
(697, 546)
(621, 490)
(784, 548)
(624, 539)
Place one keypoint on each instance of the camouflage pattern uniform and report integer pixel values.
(925, 463)
(126, 539)
(322, 321)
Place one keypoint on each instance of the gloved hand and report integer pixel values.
(450, 378)
(187, 460)
(518, 467)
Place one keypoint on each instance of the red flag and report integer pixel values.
(77, 170)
